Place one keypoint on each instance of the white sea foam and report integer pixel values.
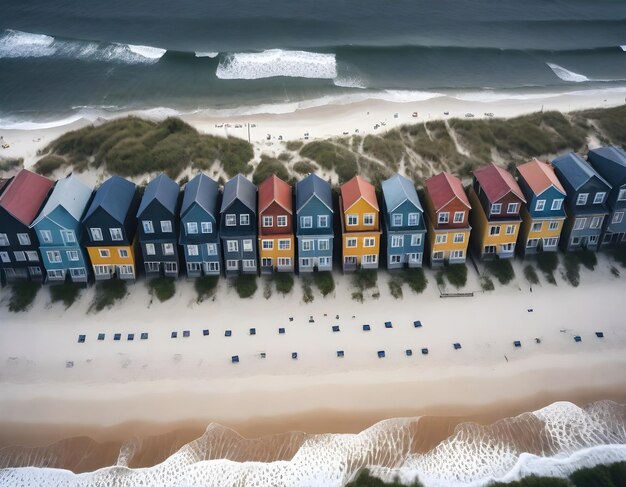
(13, 124)
(148, 52)
(207, 54)
(566, 74)
(277, 62)
(349, 82)
(16, 44)
(623, 47)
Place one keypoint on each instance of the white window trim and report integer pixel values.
(582, 199)
(268, 221)
(540, 205)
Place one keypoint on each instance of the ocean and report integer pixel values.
(77, 58)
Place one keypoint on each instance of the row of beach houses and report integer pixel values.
(53, 232)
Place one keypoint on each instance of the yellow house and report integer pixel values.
(360, 225)
(113, 261)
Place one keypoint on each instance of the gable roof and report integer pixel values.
(575, 170)
(611, 162)
(24, 195)
(242, 189)
(398, 189)
(311, 186)
(69, 193)
(443, 188)
(114, 196)
(203, 191)
(355, 189)
(275, 189)
(163, 190)
(497, 182)
(539, 176)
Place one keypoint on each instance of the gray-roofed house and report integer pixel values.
(60, 231)
(610, 163)
(238, 226)
(157, 219)
(585, 203)
(199, 227)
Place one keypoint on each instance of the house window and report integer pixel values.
(459, 237)
(148, 227)
(582, 199)
(353, 220)
(397, 241)
(593, 239)
(168, 249)
(231, 220)
(232, 245)
(532, 242)
(192, 250)
(414, 219)
(268, 221)
(23, 238)
(622, 195)
(324, 261)
(457, 254)
(540, 205)
(396, 220)
(211, 249)
(244, 219)
(510, 229)
(104, 253)
(494, 230)
(247, 245)
(580, 223)
(349, 259)
(231, 265)
(153, 266)
(116, 234)
(193, 266)
(102, 270)
(123, 253)
(323, 244)
(490, 249)
(266, 262)
(512, 208)
(68, 236)
(443, 217)
(618, 216)
(96, 234)
(206, 227)
(459, 216)
(395, 259)
(550, 242)
(249, 264)
(32, 256)
(438, 255)
(496, 208)
(171, 267)
(370, 259)
(10, 272)
(4, 257)
(55, 274)
(557, 204)
(46, 236)
(508, 247)
(306, 262)
(553, 226)
(307, 245)
(214, 266)
(599, 198)
(415, 258)
(323, 221)
(596, 221)
(267, 244)
(192, 228)
(34, 271)
(150, 250)
(369, 242)
(284, 244)
(166, 226)
(536, 227)
(78, 272)
(19, 256)
(281, 220)
(54, 256)
(72, 255)
(4, 240)
(416, 239)
(441, 238)
(306, 221)
(284, 262)
(351, 242)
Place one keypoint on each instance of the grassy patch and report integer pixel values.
(11, 163)
(307, 291)
(619, 254)
(357, 296)
(456, 274)
(572, 269)
(439, 278)
(547, 263)
(22, 295)
(365, 279)
(416, 279)
(364, 479)
(107, 292)
(389, 148)
(67, 293)
(324, 282)
(612, 121)
(48, 164)
(246, 285)
(294, 145)
(205, 287)
(486, 283)
(332, 156)
(395, 287)
(267, 287)
(304, 167)
(530, 274)
(284, 282)
(501, 269)
(588, 258)
(268, 167)
(162, 287)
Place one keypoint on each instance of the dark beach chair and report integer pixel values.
(81, 338)
(281, 331)
(599, 334)
(335, 328)
(144, 336)
(408, 352)
(69, 364)
(291, 318)
(252, 331)
(388, 324)
(100, 336)
(311, 320)
(537, 340)
(381, 354)
(205, 332)
(117, 337)
(131, 337)
(457, 346)
(417, 324)
(228, 333)
(336, 317)
(174, 334)
(530, 310)
(294, 355)
(339, 353)
(577, 338)
(235, 359)
(517, 344)
(424, 351)
(186, 333)
(366, 328)
(263, 354)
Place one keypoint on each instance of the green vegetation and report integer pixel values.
(267, 167)
(357, 296)
(364, 479)
(612, 122)
(284, 157)
(395, 286)
(572, 269)
(22, 295)
(284, 282)
(48, 164)
(501, 269)
(246, 285)
(10, 163)
(365, 279)
(324, 282)
(107, 292)
(416, 279)
(307, 291)
(547, 263)
(486, 283)
(66, 292)
(304, 167)
(456, 274)
(530, 274)
(619, 254)
(439, 278)
(162, 287)
(588, 258)
(534, 481)
(388, 148)
(376, 172)
(332, 156)
(205, 287)
(294, 145)
(267, 287)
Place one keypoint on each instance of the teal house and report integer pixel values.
(59, 230)
(404, 226)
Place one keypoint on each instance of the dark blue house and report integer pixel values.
(199, 227)
(314, 224)
(157, 217)
(585, 203)
(610, 163)
(238, 226)
(404, 227)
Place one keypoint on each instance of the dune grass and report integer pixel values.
(67, 292)
(572, 269)
(547, 263)
(246, 285)
(307, 290)
(530, 274)
(501, 269)
(486, 283)
(304, 167)
(107, 292)
(283, 282)
(268, 167)
(163, 288)
(205, 287)
(332, 156)
(23, 294)
(324, 281)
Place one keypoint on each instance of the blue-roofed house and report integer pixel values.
(404, 227)
(238, 226)
(199, 227)
(60, 231)
(157, 219)
(585, 203)
(610, 163)
(314, 224)
(110, 227)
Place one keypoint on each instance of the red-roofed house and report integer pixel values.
(20, 203)
(360, 225)
(447, 216)
(496, 201)
(276, 241)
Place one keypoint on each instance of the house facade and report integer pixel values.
(314, 224)
(238, 227)
(610, 163)
(276, 240)
(360, 225)
(157, 219)
(585, 203)
(404, 227)
(199, 227)
(544, 214)
(447, 219)
(60, 231)
(496, 201)
(110, 227)
(21, 200)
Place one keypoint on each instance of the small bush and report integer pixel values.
(22, 295)
(294, 145)
(486, 283)
(332, 156)
(205, 287)
(107, 292)
(357, 296)
(324, 282)
(284, 157)
(162, 287)
(304, 167)
(501, 269)
(67, 293)
(395, 287)
(457, 275)
(246, 285)
(587, 258)
(365, 279)
(416, 279)
(530, 274)
(547, 263)
(284, 282)
(267, 288)
(307, 291)
(439, 279)
(268, 167)
(10, 164)
(572, 269)
(364, 479)
(48, 164)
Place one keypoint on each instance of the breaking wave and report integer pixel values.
(555, 440)
(566, 74)
(206, 54)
